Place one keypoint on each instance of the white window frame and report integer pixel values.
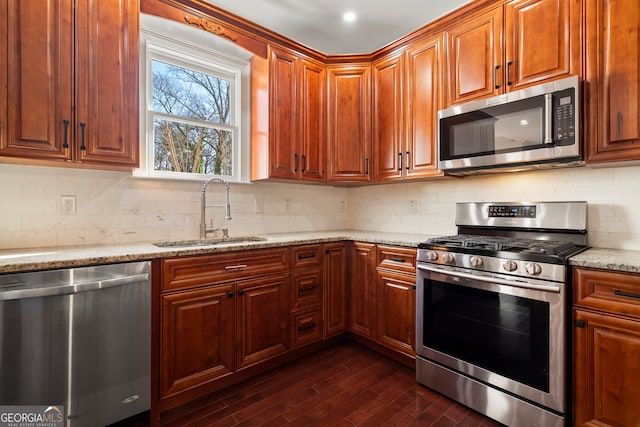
(183, 46)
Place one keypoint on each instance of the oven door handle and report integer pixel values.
(492, 279)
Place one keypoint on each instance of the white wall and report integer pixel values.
(113, 207)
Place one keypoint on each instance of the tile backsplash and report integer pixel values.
(113, 207)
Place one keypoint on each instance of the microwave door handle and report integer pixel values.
(548, 119)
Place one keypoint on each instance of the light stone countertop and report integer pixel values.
(33, 259)
(608, 259)
(45, 258)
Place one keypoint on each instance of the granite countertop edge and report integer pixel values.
(46, 258)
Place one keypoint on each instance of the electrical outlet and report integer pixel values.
(413, 206)
(68, 205)
(341, 206)
(287, 204)
(259, 204)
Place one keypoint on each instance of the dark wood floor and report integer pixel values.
(344, 385)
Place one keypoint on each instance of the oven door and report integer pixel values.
(497, 329)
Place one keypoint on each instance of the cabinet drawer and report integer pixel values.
(188, 272)
(397, 259)
(306, 326)
(306, 287)
(306, 256)
(610, 291)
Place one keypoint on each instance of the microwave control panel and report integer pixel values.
(564, 117)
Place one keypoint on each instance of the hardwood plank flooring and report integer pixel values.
(344, 385)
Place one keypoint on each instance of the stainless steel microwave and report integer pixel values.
(532, 128)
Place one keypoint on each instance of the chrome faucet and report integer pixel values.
(204, 230)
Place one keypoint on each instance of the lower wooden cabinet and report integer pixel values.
(335, 289)
(362, 289)
(397, 311)
(606, 351)
(197, 337)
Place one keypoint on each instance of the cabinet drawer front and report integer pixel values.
(187, 272)
(616, 292)
(397, 259)
(306, 287)
(306, 256)
(306, 326)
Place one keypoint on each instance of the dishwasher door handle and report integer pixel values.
(72, 288)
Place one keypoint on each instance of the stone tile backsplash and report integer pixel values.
(113, 207)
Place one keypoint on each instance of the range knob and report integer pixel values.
(432, 255)
(533, 268)
(476, 261)
(448, 258)
(510, 265)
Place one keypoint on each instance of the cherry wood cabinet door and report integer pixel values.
(606, 370)
(262, 319)
(335, 289)
(39, 43)
(424, 93)
(362, 289)
(197, 337)
(349, 123)
(107, 82)
(397, 311)
(387, 119)
(283, 116)
(536, 52)
(612, 81)
(312, 121)
(475, 57)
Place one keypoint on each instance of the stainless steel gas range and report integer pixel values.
(493, 309)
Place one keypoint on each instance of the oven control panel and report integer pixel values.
(513, 211)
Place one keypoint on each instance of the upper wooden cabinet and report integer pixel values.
(407, 94)
(72, 81)
(349, 123)
(612, 81)
(297, 126)
(522, 43)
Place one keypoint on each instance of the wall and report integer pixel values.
(612, 194)
(113, 207)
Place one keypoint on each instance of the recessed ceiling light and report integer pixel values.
(349, 17)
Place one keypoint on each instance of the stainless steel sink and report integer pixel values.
(208, 242)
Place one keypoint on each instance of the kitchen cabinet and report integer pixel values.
(407, 94)
(506, 48)
(72, 81)
(362, 289)
(219, 314)
(335, 289)
(606, 318)
(306, 294)
(396, 271)
(612, 81)
(349, 123)
(297, 125)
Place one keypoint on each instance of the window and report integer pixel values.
(194, 91)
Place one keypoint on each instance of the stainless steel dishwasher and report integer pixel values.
(78, 338)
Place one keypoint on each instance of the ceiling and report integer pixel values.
(319, 24)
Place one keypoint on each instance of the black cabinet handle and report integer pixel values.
(580, 324)
(83, 125)
(495, 77)
(366, 166)
(65, 141)
(241, 292)
(327, 251)
(406, 166)
(304, 163)
(307, 256)
(396, 259)
(509, 73)
(305, 327)
(626, 294)
(295, 167)
(230, 294)
(399, 161)
(309, 288)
